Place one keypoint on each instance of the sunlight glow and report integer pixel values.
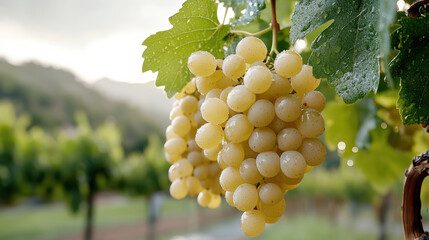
(300, 45)
(341, 145)
(402, 5)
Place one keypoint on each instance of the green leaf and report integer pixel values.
(411, 66)
(357, 125)
(346, 53)
(195, 27)
(253, 10)
(350, 124)
(236, 5)
(382, 164)
(387, 17)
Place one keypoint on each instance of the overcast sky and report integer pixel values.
(92, 38)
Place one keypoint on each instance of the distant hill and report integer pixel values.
(51, 97)
(144, 96)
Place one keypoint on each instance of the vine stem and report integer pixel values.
(414, 10)
(411, 203)
(276, 28)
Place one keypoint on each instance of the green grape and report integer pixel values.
(252, 223)
(261, 113)
(270, 193)
(214, 111)
(202, 63)
(229, 198)
(258, 79)
(313, 150)
(240, 98)
(215, 201)
(289, 139)
(279, 87)
(211, 153)
(205, 84)
(214, 93)
(178, 189)
(204, 198)
(175, 146)
(181, 125)
(311, 123)
(194, 186)
(262, 139)
(233, 154)
(238, 129)
(305, 81)
(315, 100)
(273, 210)
(249, 171)
(230, 179)
(292, 164)
(234, 66)
(189, 104)
(268, 164)
(201, 171)
(288, 108)
(245, 197)
(277, 125)
(195, 158)
(288, 64)
(209, 136)
(252, 49)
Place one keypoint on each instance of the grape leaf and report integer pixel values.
(411, 66)
(350, 124)
(356, 125)
(381, 163)
(253, 10)
(195, 27)
(236, 5)
(346, 53)
(387, 17)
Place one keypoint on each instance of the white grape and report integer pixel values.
(234, 66)
(202, 63)
(288, 64)
(252, 49)
(258, 79)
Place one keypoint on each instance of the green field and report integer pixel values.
(53, 221)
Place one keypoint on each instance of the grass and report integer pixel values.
(54, 220)
(49, 221)
(304, 227)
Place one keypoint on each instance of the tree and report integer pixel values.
(10, 125)
(145, 174)
(87, 159)
(372, 58)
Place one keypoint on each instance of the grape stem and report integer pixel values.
(262, 32)
(276, 28)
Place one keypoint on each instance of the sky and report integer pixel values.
(92, 38)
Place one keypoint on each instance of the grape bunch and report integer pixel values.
(249, 131)
(194, 171)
